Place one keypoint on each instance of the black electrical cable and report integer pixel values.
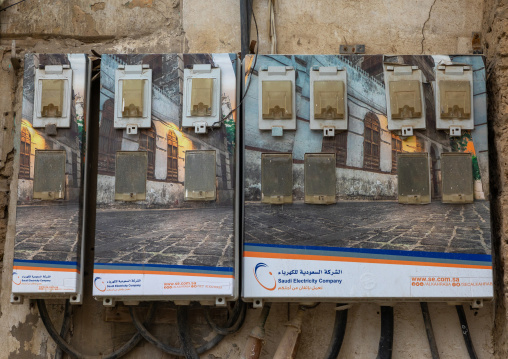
(182, 319)
(149, 337)
(386, 339)
(66, 347)
(5, 8)
(465, 331)
(228, 330)
(339, 330)
(430, 332)
(251, 71)
(65, 327)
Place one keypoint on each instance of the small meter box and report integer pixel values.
(457, 174)
(50, 210)
(325, 214)
(277, 99)
(454, 98)
(404, 98)
(328, 93)
(202, 97)
(53, 96)
(133, 97)
(167, 218)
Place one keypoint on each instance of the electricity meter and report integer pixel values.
(328, 94)
(404, 98)
(53, 96)
(52, 154)
(133, 97)
(201, 97)
(277, 99)
(454, 98)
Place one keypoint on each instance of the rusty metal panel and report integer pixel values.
(276, 178)
(130, 176)
(200, 183)
(457, 174)
(413, 178)
(320, 178)
(49, 175)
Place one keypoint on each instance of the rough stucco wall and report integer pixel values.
(495, 24)
(319, 27)
(395, 26)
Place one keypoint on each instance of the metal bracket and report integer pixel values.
(16, 299)
(329, 131)
(108, 302)
(352, 49)
(76, 299)
(220, 302)
(477, 304)
(258, 303)
(455, 131)
(132, 129)
(200, 127)
(407, 131)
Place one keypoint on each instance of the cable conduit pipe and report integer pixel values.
(339, 330)
(182, 319)
(228, 330)
(465, 331)
(66, 347)
(149, 337)
(65, 327)
(430, 332)
(386, 338)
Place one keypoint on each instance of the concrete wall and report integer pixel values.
(303, 27)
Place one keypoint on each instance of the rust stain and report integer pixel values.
(138, 3)
(98, 6)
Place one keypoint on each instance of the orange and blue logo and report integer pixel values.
(263, 274)
(15, 278)
(99, 284)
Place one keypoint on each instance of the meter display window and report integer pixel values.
(52, 97)
(405, 99)
(49, 175)
(276, 178)
(201, 97)
(133, 92)
(200, 183)
(328, 100)
(130, 175)
(455, 99)
(320, 178)
(277, 100)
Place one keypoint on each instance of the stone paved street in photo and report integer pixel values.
(47, 232)
(201, 237)
(435, 227)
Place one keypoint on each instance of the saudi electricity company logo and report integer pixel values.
(15, 278)
(99, 284)
(264, 276)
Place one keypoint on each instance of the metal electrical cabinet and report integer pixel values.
(333, 205)
(51, 157)
(166, 226)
